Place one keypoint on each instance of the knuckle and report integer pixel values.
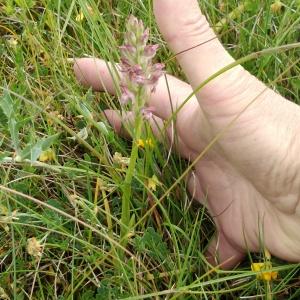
(190, 31)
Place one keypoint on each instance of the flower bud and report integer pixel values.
(150, 50)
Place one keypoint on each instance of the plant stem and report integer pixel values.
(126, 188)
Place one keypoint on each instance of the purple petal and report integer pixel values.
(139, 79)
(157, 67)
(137, 69)
(147, 112)
(125, 65)
(127, 95)
(150, 50)
(124, 99)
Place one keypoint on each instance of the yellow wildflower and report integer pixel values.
(265, 271)
(140, 143)
(149, 142)
(47, 155)
(34, 247)
(153, 182)
(276, 6)
(265, 268)
(79, 17)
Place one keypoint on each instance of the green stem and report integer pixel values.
(126, 188)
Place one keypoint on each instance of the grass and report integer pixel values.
(72, 204)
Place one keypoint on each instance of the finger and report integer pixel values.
(184, 26)
(222, 253)
(100, 75)
(96, 73)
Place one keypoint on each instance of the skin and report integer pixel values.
(250, 179)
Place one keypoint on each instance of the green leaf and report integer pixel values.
(6, 104)
(151, 243)
(84, 110)
(108, 291)
(42, 145)
(102, 128)
(14, 133)
(83, 133)
(86, 295)
(34, 151)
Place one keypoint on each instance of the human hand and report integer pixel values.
(250, 179)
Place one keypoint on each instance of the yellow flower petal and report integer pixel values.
(256, 267)
(47, 155)
(140, 143)
(274, 275)
(266, 276)
(264, 269)
(153, 182)
(80, 17)
(149, 143)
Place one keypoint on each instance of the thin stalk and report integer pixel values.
(140, 77)
(126, 188)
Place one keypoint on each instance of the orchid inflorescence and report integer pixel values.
(140, 75)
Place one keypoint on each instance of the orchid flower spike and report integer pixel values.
(139, 73)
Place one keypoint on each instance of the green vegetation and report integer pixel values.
(61, 182)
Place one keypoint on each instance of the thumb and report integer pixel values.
(221, 252)
(184, 27)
